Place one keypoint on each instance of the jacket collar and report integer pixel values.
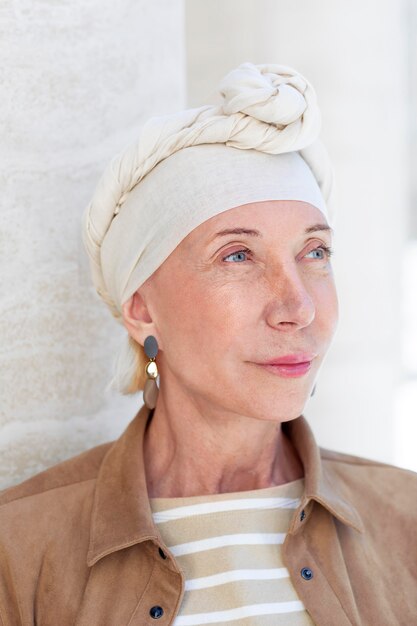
(121, 514)
(321, 483)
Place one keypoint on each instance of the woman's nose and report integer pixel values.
(291, 305)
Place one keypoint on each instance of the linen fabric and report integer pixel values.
(79, 545)
(229, 547)
(188, 166)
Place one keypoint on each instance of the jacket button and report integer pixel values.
(302, 515)
(162, 553)
(156, 611)
(306, 573)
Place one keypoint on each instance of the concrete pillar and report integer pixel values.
(77, 81)
(359, 68)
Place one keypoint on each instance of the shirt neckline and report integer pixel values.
(262, 492)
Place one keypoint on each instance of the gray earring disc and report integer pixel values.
(151, 347)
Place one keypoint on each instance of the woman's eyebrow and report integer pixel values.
(237, 231)
(316, 227)
(256, 233)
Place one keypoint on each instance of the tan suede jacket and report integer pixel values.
(78, 545)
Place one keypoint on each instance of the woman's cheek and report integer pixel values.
(327, 306)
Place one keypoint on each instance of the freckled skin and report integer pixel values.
(217, 424)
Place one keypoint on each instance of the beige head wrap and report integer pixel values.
(264, 146)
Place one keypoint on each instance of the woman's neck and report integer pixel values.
(189, 455)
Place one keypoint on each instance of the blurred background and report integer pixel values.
(78, 78)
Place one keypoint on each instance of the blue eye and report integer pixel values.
(238, 253)
(326, 249)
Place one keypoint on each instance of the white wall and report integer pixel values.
(77, 79)
(355, 54)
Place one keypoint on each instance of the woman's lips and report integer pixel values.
(287, 370)
(291, 365)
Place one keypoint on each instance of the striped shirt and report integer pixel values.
(229, 547)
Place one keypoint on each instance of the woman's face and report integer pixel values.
(221, 304)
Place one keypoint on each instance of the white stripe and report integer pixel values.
(234, 575)
(240, 504)
(238, 539)
(270, 608)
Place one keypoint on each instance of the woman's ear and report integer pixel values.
(137, 319)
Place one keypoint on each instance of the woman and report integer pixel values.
(210, 240)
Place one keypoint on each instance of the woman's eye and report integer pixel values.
(325, 250)
(239, 254)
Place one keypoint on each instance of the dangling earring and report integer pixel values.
(150, 392)
(313, 391)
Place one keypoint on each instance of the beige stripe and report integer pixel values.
(236, 575)
(220, 560)
(236, 594)
(216, 524)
